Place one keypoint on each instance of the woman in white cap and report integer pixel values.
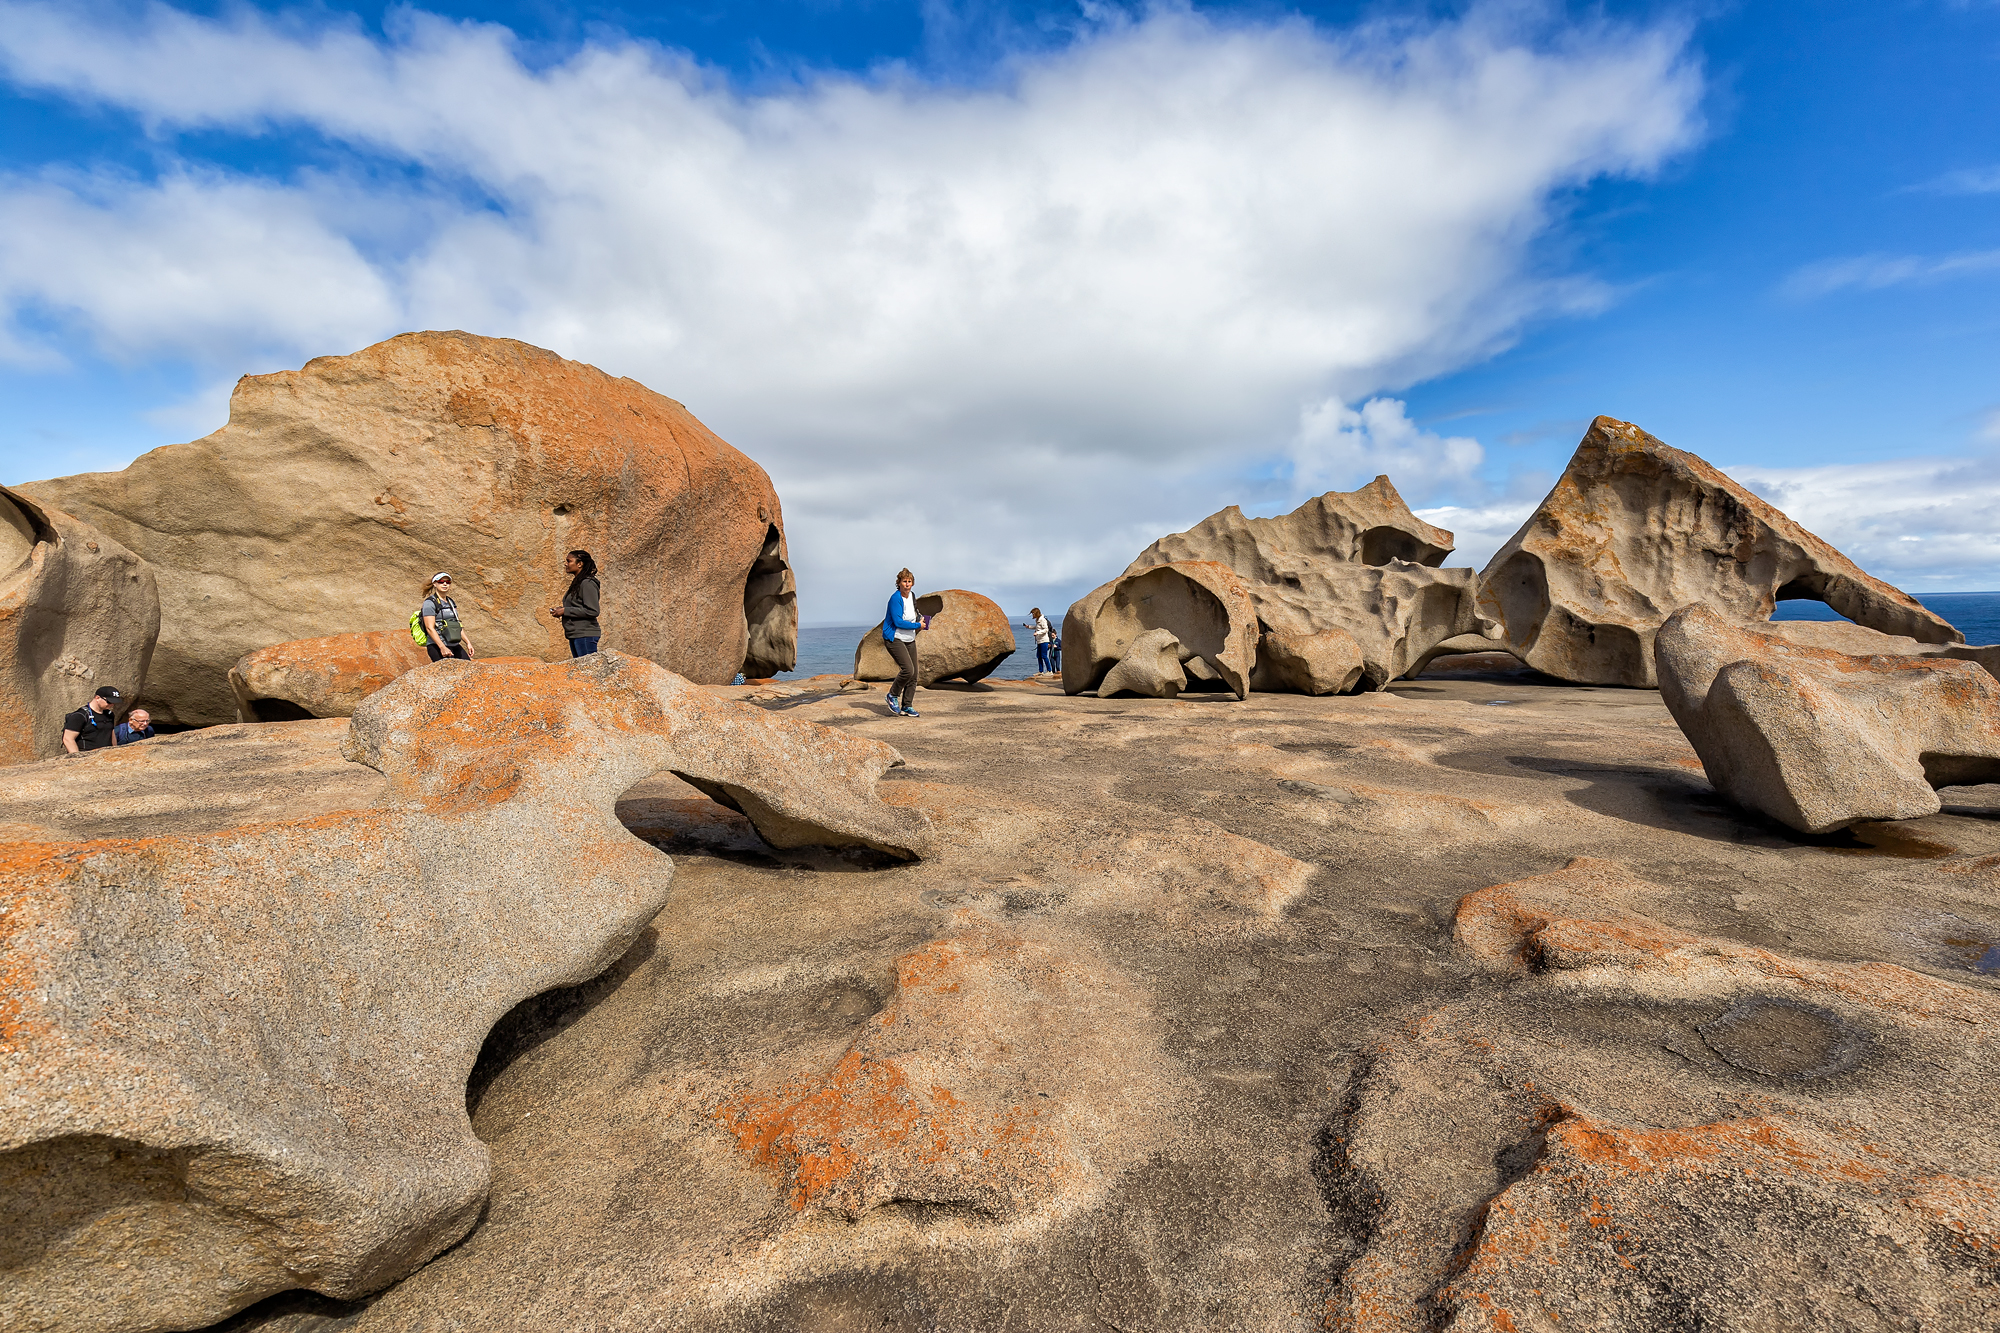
(441, 625)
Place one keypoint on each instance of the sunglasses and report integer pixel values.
(444, 583)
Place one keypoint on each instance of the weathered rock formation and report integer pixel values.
(1151, 666)
(1370, 526)
(969, 637)
(326, 677)
(233, 1061)
(1100, 1063)
(1511, 1184)
(1343, 588)
(1205, 606)
(1818, 739)
(336, 491)
(1632, 532)
(77, 611)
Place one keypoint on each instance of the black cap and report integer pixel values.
(107, 692)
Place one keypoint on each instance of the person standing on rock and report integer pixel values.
(899, 634)
(137, 726)
(91, 727)
(1038, 625)
(578, 612)
(441, 627)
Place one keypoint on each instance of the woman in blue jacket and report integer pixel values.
(899, 636)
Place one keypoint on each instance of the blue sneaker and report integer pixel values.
(910, 712)
(894, 707)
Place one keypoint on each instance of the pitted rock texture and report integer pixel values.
(1343, 587)
(233, 1062)
(1635, 530)
(1818, 739)
(969, 637)
(1205, 606)
(1370, 526)
(1255, 907)
(1151, 666)
(77, 611)
(1394, 614)
(999, 1080)
(326, 677)
(1508, 1181)
(337, 490)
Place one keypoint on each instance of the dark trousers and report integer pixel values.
(438, 654)
(1042, 657)
(906, 677)
(583, 647)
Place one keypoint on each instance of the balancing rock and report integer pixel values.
(233, 1059)
(1819, 739)
(1633, 531)
(77, 611)
(1151, 666)
(969, 637)
(1204, 605)
(336, 491)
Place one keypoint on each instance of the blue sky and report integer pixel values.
(1055, 279)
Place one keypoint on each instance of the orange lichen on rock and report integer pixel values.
(987, 1085)
(324, 677)
(1568, 922)
(443, 450)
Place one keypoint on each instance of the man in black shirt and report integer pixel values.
(90, 727)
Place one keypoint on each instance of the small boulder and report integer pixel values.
(326, 677)
(1203, 604)
(969, 638)
(1633, 531)
(1151, 666)
(77, 611)
(234, 1061)
(1819, 739)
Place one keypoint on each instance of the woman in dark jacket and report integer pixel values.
(578, 612)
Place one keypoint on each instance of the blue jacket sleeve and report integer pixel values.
(894, 621)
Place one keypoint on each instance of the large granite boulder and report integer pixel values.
(1204, 605)
(326, 677)
(969, 637)
(336, 491)
(77, 611)
(233, 1058)
(1632, 532)
(1370, 526)
(1818, 739)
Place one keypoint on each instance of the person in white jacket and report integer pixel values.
(1038, 625)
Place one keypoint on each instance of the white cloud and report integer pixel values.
(1970, 180)
(1335, 442)
(1875, 272)
(1043, 319)
(1919, 523)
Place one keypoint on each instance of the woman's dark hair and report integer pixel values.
(589, 570)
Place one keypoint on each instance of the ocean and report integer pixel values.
(830, 649)
(1976, 615)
